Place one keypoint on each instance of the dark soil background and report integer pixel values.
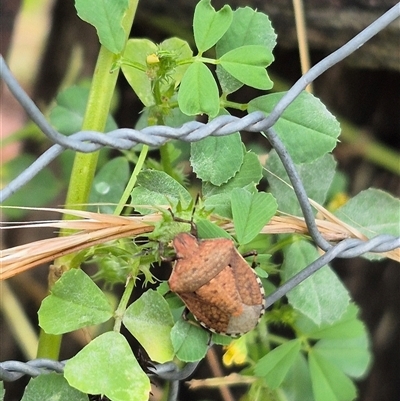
(364, 89)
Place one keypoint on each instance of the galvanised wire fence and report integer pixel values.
(125, 138)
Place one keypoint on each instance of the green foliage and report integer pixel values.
(248, 28)
(217, 159)
(251, 212)
(348, 326)
(157, 188)
(116, 262)
(329, 382)
(306, 121)
(329, 345)
(247, 64)
(107, 366)
(297, 382)
(39, 194)
(151, 69)
(275, 365)
(109, 184)
(198, 92)
(349, 354)
(134, 68)
(302, 371)
(190, 342)
(210, 25)
(247, 177)
(206, 229)
(52, 387)
(383, 216)
(157, 72)
(78, 300)
(106, 17)
(68, 113)
(149, 319)
(310, 174)
(322, 297)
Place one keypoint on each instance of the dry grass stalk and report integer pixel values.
(96, 228)
(233, 379)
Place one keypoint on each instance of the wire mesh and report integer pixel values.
(90, 141)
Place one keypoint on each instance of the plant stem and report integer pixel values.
(132, 180)
(119, 313)
(49, 345)
(97, 109)
(166, 161)
(372, 150)
(207, 60)
(84, 167)
(277, 339)
(233, 105)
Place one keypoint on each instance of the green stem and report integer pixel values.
(371, 150)
(97, 109)
(132, 64)
(277, 339)
(166, 161)
(207, 60)
(84, 167)
(49, 345)
(132, 180)
(119, 313)
(186, 61)
(233, 105)
(285, 241)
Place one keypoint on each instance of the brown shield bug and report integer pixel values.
(216, 284)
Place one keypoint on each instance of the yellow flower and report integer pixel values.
(337, 201)
(152, 59)
(236, 353)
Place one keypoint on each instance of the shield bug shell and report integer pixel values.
(216, 284)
